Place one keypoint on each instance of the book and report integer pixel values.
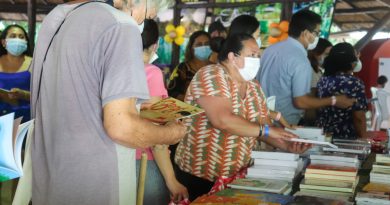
(335, 163)
(282, 163)
(330, 177)
(169, 109)
(11, 139)
(336, 156)
(331, 170)
(305, 200)
(304, 185)
(228, 200)
(329, 182)
(376, 187)
(275, 155)
(263, 196)
(383, 158)
(309, 192)
(377, 198)
(5, 97)
(265, 185)
(309, 133)
(318, 143)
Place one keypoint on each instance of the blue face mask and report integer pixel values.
(202, 52)
(15, 46)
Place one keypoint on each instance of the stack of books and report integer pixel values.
(279, 166)
(331, 175)
(378, 190)
(360, 147)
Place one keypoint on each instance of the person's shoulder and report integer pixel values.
(150, 68)
(212, 69)
(109, 13)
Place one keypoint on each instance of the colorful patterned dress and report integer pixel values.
(206, 151)
(337, 121)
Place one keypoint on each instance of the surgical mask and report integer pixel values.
(358, 67)
(313, 45)
(141, 26)
(16, 46)
(153, 58)
(250, 69)
(202, 52)
(258, 41)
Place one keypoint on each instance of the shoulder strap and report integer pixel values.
(47, 50)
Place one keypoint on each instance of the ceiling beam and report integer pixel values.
(231, 5)
(376, 28)
(361, 10)
(22, 8)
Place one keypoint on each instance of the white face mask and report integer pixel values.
(313, 45)
(250, 69)
(358, 67)
(153, 58)
(141, 26)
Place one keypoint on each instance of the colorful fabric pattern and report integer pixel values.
(337, 121)
(206, 151)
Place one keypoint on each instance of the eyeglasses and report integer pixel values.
(316, 33)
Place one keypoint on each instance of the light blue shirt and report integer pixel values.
(285, 72)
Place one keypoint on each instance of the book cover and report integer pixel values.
(318, 143)
(329, 176)
(262, 196)
(169, 109)
(11, 146)
(273, 186)
(329, 182)
(376, 187)
(304, 185)
(332, 170)
(335, 163)
(229, 200)
(336, 156)
(283, 163)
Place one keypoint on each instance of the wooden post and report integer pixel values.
(377, 27)
(142, 179)
(176, 22)
(31, 13)
(287, 9)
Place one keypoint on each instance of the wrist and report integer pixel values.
(266, 131)
(333, 100)
(261, 131)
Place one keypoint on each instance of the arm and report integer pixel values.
(309, 102)
(161, 155)
(19, 94)
(123, 124)
(359, 122)
(281, 120)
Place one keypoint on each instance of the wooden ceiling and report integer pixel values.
(350, 15)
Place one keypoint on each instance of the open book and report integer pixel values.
(11, 139)
(169, 109)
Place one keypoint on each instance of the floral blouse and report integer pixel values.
(337, 121)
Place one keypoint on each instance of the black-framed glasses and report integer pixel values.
(316, 33)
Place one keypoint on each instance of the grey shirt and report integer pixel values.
(285, 72)
(95, 58)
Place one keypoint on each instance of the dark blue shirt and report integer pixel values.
(337, 121)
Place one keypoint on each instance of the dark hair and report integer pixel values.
(317, 51)
(184, 113)
(4, 34)
(301, 21)
(244, 24)
(340, 59)
(381, 80)
(189, 55)
(149, 34)
(216, 44)
(216, 26)
(233, 44)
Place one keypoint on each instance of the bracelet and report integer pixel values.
(266, 131)
(278, 116)
(261, 131)
(334, 100)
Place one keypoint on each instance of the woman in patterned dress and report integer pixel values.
(347, 123)
(219, 142)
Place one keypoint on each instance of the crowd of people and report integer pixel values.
(92, 71)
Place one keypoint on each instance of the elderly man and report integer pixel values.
(88, 77)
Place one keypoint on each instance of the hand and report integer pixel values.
(298, 147)
(343, 101)
(17, 94)
(177, 130)
(178, 191)
(280, 133)
(285, 124)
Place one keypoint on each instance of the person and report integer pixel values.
(84, 97)
(219, 141)
(196, 56)
(246, 24)
(286, 73)
(250, 25)
(382, 96)
(347, 123)
(316, 58)
(215, 45)
(14, 73)
(216, 29)
(161, 184)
